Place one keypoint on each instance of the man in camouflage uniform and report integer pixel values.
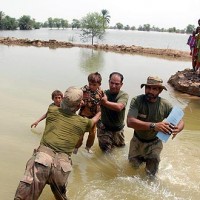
(145, 116)
(110, 131)
(51, 161)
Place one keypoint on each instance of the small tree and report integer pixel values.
(127, 27)
(190, 28)
(76, 23)
(57, 22)
(50, 22)
(25, 23)
(119, 25)
(64, 23)
(91, 26)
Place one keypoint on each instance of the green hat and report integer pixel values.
(154, 81)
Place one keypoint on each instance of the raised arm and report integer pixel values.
(39, 120)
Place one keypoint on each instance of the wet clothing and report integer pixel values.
(51, 162)
(110, 131)
(144, 145)
(109, 139)
(45, 166)
(148, 152)
(91, 106)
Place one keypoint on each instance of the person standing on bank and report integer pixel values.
(110, 129)
(146, 116)
(51, 161)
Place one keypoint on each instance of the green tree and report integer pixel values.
(57, 22)
(76, 23)
(127, 27)
(64, 23)
(1, 19)
(190, 28)
(106, 17)
(147, 27)
(9, 23)
(172, 30)
(45, 24)
(36, 25)
(25, 23)
(133, 28)
(119, 25)
(91, 26)
(50, 22)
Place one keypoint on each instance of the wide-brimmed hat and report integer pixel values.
(72, 98)
(154, 81)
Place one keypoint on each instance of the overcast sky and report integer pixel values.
(160, 13)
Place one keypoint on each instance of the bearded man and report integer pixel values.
(146, 116)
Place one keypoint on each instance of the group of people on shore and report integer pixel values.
(90, 109)
(194, 43)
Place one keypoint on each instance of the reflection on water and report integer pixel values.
(29, 75)
(91, 61)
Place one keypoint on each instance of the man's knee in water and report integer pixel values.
(152, 166)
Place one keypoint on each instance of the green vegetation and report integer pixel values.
(106, 17)
(92, 26)
(27, 23)
(76, 23)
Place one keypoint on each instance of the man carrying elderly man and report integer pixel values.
(51, 161)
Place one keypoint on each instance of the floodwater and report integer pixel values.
(163, 40)
(29, 75)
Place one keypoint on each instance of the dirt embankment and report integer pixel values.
(186, 81)
(164, 53)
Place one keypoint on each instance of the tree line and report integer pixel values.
(27, 23)
(92, 25)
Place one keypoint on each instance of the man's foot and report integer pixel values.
(75, 151)
(89, 150)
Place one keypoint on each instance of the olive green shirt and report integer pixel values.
(63, 129)
(146, 111)
(113, 120)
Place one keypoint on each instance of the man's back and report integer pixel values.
(63, 129)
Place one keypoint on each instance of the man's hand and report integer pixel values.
(164, 127)
(104, 100)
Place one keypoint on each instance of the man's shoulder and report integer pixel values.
(139, 98)
(164, 101)
(122, 92)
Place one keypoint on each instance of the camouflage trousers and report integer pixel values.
(45, 167)
(145, 152)
(109, 139)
